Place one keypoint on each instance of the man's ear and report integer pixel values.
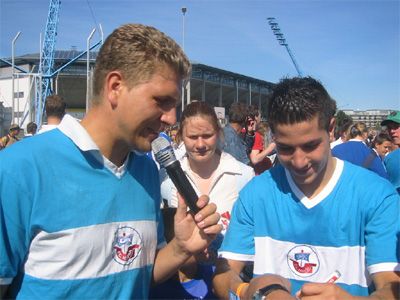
(331, 129)
(113, 84)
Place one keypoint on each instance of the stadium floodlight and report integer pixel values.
(282, 41)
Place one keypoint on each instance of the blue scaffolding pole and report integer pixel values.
(47, 59)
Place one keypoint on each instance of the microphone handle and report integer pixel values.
(183, 185)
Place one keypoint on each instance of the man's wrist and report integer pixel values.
(178, 250)
(263, 293)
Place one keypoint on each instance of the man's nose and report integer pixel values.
(169, 117)
(299, 159)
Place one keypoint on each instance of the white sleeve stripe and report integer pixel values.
(383, 267)
(236, 256)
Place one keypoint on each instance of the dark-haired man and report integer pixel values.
(311, 216)
(31, 129)
(234, 143)
(55, 110)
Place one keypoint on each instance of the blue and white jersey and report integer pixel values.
(351, 226)
(73, 225)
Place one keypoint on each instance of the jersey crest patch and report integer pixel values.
(303, 260)
(225, 219)
(127, 245)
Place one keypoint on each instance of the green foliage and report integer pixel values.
(341, 118)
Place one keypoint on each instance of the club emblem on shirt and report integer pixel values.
(303, 260)
(225, 218)
(127, 245)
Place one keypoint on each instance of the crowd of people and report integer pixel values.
(85, 212)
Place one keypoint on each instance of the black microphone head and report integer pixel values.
(163, 151)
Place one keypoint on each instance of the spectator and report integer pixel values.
(343, 133)
(55, 111)
(392, 160)
(233, 142)
(30, 129)
(249, 131)
(370, 137)
(357, 152)
(312, 214)
(382, 144)
(11, 137)
(84, 222)
(211, 172)
(260, 151)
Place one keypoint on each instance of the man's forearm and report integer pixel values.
(389, 291)
(226, 278)
(225, 282)
(167, 262)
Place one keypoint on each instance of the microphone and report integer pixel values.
(165, 156)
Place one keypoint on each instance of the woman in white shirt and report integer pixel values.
(211, 171)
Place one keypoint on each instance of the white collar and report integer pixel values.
(227, 164)
(81, 138)
(357, 140)
(310, 203)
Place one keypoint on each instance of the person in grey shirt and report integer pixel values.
(233, 141)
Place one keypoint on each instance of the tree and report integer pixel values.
(341, 118)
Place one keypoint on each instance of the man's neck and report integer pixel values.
(53, 120)
(205, 169)
(313, 189)
(236, 126)
(103, 134)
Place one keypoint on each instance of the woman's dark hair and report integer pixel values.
(199, 108)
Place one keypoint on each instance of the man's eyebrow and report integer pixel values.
(318, 140)
(314, 141)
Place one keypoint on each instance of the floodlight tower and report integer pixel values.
(282, 41)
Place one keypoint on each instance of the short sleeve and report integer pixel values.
(258, 142)
(238, 243)
(381, 235)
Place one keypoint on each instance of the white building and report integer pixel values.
(372, 117)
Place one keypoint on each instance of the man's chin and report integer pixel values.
(143, 146)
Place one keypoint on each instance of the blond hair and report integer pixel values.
(137, 52)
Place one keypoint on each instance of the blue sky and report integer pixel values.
(352, 47)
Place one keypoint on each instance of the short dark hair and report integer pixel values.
(31, 127)
(55, 106)
(253, 111)
(381, 138)
(300, 99)
(344, 127)
(237, 113)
